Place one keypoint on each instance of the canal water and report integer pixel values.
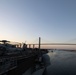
(61, 63)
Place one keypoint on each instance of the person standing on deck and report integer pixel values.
(25, 48)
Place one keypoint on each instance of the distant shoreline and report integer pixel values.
(64, 49)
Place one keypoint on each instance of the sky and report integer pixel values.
(27, 20)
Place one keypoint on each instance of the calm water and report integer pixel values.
(61, 63)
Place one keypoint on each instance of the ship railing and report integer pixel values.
(7, 64)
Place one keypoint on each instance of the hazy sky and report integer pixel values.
(26, 20)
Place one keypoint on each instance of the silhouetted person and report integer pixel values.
(24, 46)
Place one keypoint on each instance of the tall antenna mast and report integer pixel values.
(39, 42)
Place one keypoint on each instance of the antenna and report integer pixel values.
(39, 46)
(39, 42)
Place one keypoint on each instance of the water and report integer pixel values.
(61, 63)
(58, 62)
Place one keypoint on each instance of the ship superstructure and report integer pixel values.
(16, 59)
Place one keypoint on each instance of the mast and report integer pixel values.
(39, 42)
(39, 46)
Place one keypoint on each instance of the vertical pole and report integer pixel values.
(39, 46)
(39, 43)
